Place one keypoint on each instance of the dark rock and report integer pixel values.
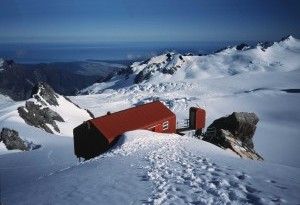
(43, 90)
(8, 63)
(169, 56)
(293, 90)
(142, 75)
(126, 71)
(241, 47)
(108, 77)
(189, 54)
(265, 45)
(165, 67)
(100, 79)
(233, 131)
(241, 124)
(170, 70)
(38, 113)
(139, 77)
(12, 140)
(286, 38)
(17, 80)
(228, 141)
(34, 115)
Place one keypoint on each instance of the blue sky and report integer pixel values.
(147, 20)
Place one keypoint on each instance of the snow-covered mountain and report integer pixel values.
(17, 79)
(173, 67)
(153, 168)
(264, 75)
(46, 112)
(1, 64)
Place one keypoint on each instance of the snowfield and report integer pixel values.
(149, 168)
(152, 168)
(277, 135)
(172, 67)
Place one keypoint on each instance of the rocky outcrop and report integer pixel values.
(141, 76)
(66, 78)
(242, 47)
(235, 132)
(37, 112)
(42, 91)
(265, 45)
(37, 116)
(46, 109)
(167, 64)
(7, 63)
(12, 141)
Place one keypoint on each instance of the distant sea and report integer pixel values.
(66, 52)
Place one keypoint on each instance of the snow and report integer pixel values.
(72, 115)
(251, 92)
(3, 148)
(281, 56)
(251, 80)
(147, 168)
(1, 62)
(5, 101)
(152, 168)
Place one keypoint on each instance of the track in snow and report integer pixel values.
(152, 168)
(180, 177)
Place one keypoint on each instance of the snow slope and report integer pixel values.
(251, 79)
(5, 101)
(1, 64)
(150, 168)
(277, 135)
(10, 118)
(280, 56)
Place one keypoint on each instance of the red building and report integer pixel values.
(197, 118)
(95, 136)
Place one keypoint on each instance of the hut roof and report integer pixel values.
(138, 117)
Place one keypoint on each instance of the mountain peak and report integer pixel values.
(44, 91)
(4, 63)
(287, 38)
(1, 62)
(264, 45)
(50, 111)
(242, 46)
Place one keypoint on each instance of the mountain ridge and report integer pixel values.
(232, 60)
(17, 80)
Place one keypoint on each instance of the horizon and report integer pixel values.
(50, 52)
(143, 42)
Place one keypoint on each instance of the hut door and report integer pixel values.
(192, 123)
